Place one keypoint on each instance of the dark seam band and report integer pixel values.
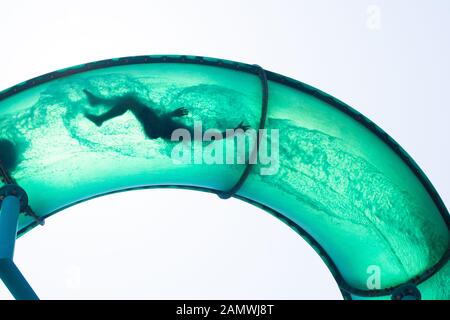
(262, 123)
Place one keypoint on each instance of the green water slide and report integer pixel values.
(333, 176)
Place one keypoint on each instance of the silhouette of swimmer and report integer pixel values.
(8, 155)
(154, 125)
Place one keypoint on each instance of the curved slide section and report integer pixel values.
(320, 166)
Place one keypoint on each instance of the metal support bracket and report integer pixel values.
(13, 200)
(406, 292)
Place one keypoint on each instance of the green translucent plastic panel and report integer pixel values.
(337, 179)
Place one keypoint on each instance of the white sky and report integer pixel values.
(387, 59)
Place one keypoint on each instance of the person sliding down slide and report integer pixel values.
(154, 125)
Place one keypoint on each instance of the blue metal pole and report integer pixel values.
(15, 281)
(10, 209)
(9, 216)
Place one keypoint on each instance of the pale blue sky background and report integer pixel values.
(388, 59)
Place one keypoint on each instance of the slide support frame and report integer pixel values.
(13, 200)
